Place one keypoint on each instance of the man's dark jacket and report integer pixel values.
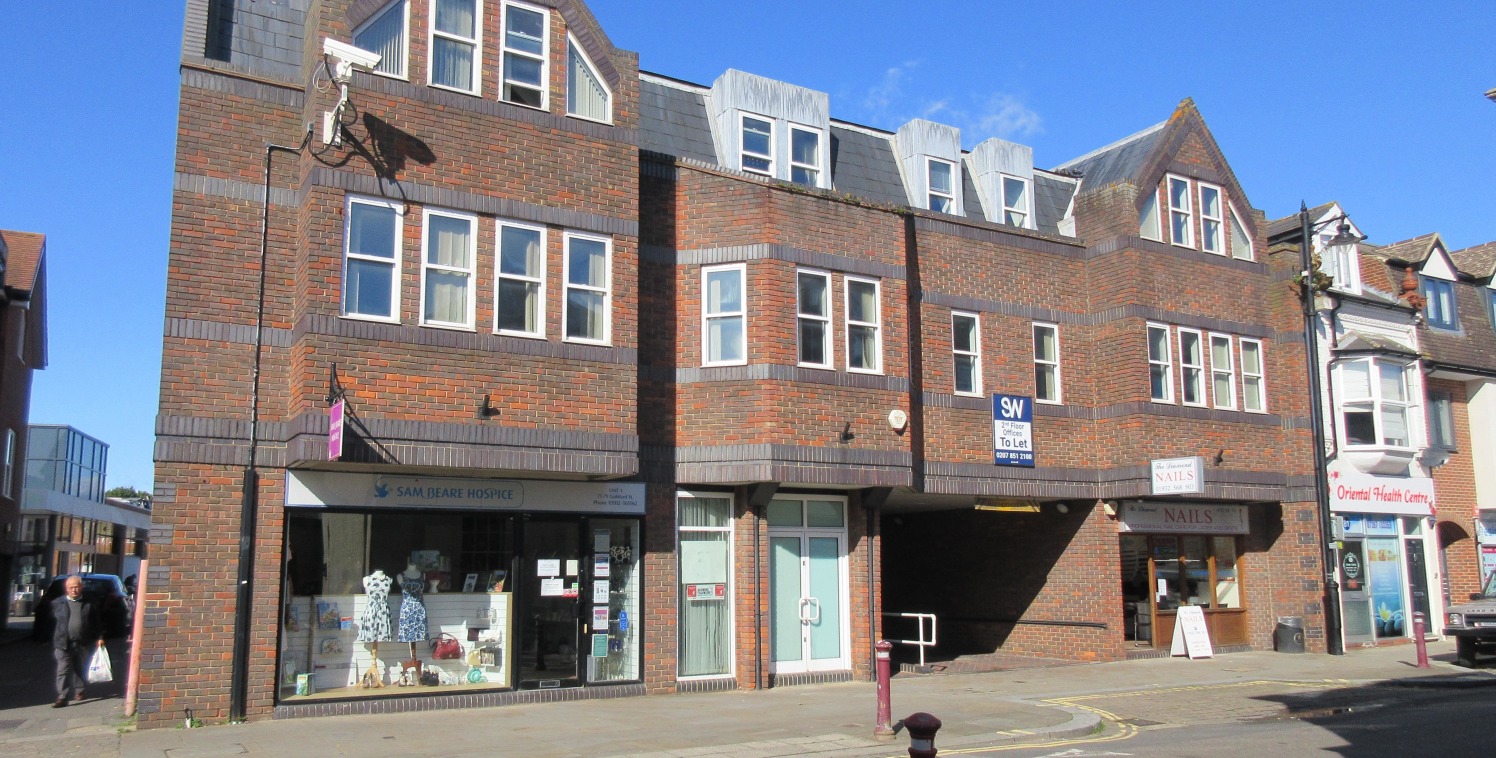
(61, 613)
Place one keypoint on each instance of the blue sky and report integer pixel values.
(1376, 104)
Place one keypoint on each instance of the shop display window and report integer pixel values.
(705, 602)
(1164, 572)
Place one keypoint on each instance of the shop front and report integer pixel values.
(1176, 554)
(398, 585)
(1385, 566)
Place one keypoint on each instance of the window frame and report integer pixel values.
(1059, 386)
(1166, 362)
(1216, 371)
(730, 531)
(1158, 222)
(544, 56)
(1028, 201)
(476, 41)
(404, 74)
(1260, 375)
(606, 289)
(1234, 223)
(741, 315)
(1188, 211)
(8, 477)
(1447, 320)
(875, 326)
(1218, 220)
(1185, 367)
(394, 261)
(975, 355)
(1374, 402)
(571, 44)
(931, 193)
(828, 342)
(743, 152)
(1440, 421)
(500, 276)
(815, 168)
(471, 270)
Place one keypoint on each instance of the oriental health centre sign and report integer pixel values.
(1354, 492)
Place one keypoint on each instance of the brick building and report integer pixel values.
(23, 351)
(640, 385)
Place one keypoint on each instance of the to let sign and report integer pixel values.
(1179, 476)
(1013, 430)
(335, 431)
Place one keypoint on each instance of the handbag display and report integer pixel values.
(445, 647)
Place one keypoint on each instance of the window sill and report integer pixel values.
(722, 364)
(816, 366)
(866, 371)
(580, 117)
(521, 335)
(376, 319)
(978, 393)
(447, 327)
(580, 341)
(1379, 459)
(1039, 401)
(445, 88)
(543, 108)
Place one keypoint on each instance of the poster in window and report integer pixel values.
(703, 562)
(1383, 570)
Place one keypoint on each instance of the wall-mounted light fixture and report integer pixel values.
(846, 434)
(485, 410)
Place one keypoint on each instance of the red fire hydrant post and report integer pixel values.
(1418, 640)
(922, 728)
(883, 729)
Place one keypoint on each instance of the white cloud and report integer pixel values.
(1006, 116)
(887, 105)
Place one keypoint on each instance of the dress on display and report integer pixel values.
(412, 610)
(374, 623)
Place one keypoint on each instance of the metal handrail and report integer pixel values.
(921, 643)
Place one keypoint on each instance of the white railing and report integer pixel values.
(922, 642)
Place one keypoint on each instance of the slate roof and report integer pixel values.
(673, 121)
(24, 255)
(1290, 223)
(265, 37)
(1472, 343)
(1119, 161)
(1478, 261)
(1415, 250)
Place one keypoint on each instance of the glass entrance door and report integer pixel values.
(549, 587)
(807, 586)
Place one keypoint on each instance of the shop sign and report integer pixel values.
(320, 489)
(1013, 430)
(1487, 563)
(1355, 492)
(335, 430)
(1179, 476)
(1183, 518)
(1353, 570)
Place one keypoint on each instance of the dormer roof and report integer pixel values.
(1280, 227)
(1478, 262)
(1415, 250)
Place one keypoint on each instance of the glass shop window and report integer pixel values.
(1175, 570)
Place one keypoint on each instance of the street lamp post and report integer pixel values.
(1307, 293)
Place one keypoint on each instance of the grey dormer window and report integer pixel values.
(805, 157)
(524, 56)
(1015, 201)
(385, 34)
(942, 186)
(758, 146)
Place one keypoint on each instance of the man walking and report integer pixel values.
(75, 634)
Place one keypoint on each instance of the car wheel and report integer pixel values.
(1464, 651)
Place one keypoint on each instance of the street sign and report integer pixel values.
(335, 431)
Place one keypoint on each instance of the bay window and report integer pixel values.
(1374, 402)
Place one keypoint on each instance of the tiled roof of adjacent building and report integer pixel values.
(1478, 261)
(1414, 250)
(1279, 227)
(23, 257)
(1116, 162)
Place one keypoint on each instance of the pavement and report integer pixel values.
(1055, 704)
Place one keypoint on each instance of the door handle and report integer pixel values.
(815, 605)
(804, 603)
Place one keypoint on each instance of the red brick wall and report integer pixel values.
(1454, 491)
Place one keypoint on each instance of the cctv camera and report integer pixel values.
(349, 56)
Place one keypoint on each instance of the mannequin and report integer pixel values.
(374, 623)
(412, 612)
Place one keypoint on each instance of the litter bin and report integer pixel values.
(1288, 637)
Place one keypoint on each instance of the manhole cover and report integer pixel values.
(1139, 722)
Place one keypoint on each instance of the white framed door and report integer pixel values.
(809, 625)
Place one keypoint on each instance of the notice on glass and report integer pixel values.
(548, 567)
(571, 567)
(602, 540)
(600, 592)
(599, 646)
(551, 587)
(703, 562)
(600, 566)
(600, 618)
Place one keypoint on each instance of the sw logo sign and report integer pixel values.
(1013, 430)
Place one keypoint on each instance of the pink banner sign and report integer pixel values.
(335, 431)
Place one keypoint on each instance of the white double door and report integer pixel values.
(808, 600)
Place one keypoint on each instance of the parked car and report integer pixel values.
(1473, 624)
(107, 591)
